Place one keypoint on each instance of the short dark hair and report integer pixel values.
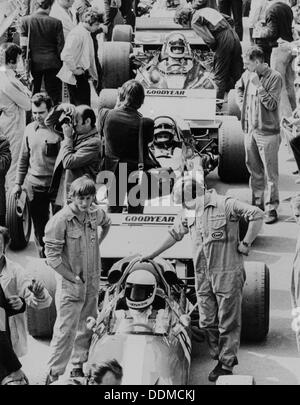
(92, 16)
(82, 187)
(85, 112)
(6, 237)
(98, 371)
(255, 52)
(11, 52)
(38, 98)
(44, 4)
(132, 94)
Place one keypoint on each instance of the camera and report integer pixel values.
(66, 119)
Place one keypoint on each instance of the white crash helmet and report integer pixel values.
(140, 288)
(164, 130)
(176, 46)
(188, 187)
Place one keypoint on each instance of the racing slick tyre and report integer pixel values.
(18, 220)
(232, 166)
(115, 64)
(107, 98)
(40, 322)
(122, 33)
(233, 108)
(256, 302)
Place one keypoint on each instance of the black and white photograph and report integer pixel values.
(150, 195)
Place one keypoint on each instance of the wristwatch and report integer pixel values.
(246, 243)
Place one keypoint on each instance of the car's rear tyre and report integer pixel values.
(122, 33)
(107, 98)
(115, 64)
(233, 108)
(232, 166)
(18, 220)
(256, 302)
(40, 322)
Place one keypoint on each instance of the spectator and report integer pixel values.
(111, 9)
(81, 6)
(234, 7)
(78, 58)
(17, 285)
(258, 96)
(80, 150)
(218, 262)
(14, 101)
(277, 24)
(72, 250)
(38, 154)
(217, 33)
(10, 367)
(45, 38)
(5, 161)
(62, 10)
(122, 147)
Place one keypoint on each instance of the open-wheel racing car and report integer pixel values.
(147, 322)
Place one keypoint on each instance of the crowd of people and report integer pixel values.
(59, 155)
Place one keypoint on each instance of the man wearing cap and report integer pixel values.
(212, 222)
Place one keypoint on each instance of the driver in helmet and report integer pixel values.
(176, 61)
(140, 289)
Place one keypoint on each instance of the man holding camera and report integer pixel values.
(80, 150)
(37, 158)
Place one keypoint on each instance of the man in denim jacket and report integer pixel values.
(72, 250)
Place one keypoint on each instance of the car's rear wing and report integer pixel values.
(140, 233)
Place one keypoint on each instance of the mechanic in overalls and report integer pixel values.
(72, 250)
(217, 33)
(213, 224)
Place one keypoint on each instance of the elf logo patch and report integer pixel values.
(217, 235)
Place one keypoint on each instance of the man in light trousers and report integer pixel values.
(258, 96)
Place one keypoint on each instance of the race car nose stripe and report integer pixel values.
(133, 360)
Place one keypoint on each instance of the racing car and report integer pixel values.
(148, 319)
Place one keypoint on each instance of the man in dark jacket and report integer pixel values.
(45, 37)
(278, 24)
(5, 161)
(10, 367)
(217, 33)
(80, 150)
(276, 42)
(234, 7)
(120, 128)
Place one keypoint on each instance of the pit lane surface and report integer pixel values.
(272, 362)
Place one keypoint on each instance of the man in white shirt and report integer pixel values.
(62, 10)
(79, 59)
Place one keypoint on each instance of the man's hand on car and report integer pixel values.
(243, 249)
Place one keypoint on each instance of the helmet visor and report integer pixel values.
(138, 292)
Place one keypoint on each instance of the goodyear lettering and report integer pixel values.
(165, 92)
(149, 219)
